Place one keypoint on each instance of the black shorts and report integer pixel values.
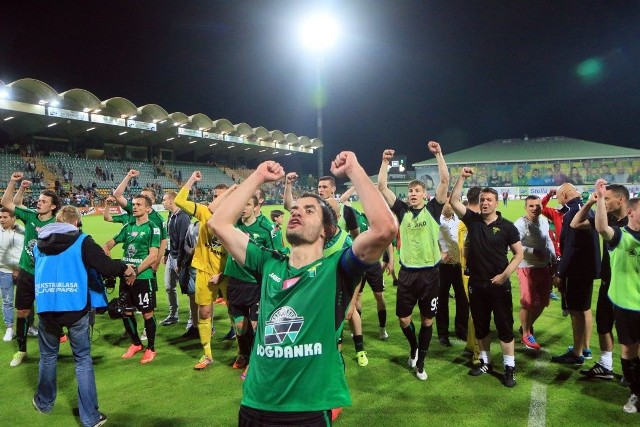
(627, 325)
(373, 276)
(578, 292)
(492, 299)
(249, 417)
(140, 295)
(604, 310)
(25, 290)
(418, 286)
(243, 298)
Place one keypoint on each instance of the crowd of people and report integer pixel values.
(288, 305)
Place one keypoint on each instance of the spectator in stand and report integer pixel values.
(521, 177)
(592, 175)
(548, 179)
(495, 180)
(574, 177)
(605, 173)
(559, 177)
(621, 176)
(536, 179)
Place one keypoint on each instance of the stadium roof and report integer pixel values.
(534, 150)
(31, 107)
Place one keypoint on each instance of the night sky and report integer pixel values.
(402, 73)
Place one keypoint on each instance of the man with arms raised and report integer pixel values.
(48, 204)
(418, 280)
(490, 235)
(298, 373)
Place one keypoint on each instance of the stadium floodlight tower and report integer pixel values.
(319, 32)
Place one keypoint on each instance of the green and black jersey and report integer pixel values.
(32, 225)
(154, 217)
(295, 362)
(136, 241)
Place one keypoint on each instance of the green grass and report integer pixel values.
(168, 392)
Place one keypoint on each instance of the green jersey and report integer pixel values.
(136, 241)
(295, 362)
(32, 225)
(261, 232)
(624, 290)
(339, 241)
(154, 217)
(124, 218)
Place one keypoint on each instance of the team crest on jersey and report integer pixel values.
(29, 247)
(134, 234)
(495, 230)
(282, 327)
(131, 251)
(214, 244)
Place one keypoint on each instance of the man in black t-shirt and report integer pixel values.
(489, 237)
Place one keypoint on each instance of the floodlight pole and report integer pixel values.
(319, 150)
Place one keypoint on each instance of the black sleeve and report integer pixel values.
(93, 256)
(435, 209)
(615, 240)
(182, 226)
(399, 208)
(513, 235)
(350, 218)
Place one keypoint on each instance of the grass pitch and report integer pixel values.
(169, 392)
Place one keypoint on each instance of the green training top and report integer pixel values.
(32, 225)
(624, 290)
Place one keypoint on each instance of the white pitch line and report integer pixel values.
(538, 405)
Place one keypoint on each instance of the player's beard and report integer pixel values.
(304, 235)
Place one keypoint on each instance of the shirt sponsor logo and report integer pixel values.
(274, 277)
(282, 329)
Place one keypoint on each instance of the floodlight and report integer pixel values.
(319, 32)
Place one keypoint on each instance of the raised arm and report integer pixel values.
(347, 195)
(443, 171)
(122, 187)
(223, 220)
(456, 193)
(383, 178)
(288, 189)
(602, 225)
(219, 201)
(7, 197)
(106, 212)
(580, 220)
(19, 196)
(370, 245)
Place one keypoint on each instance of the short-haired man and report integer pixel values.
(535, 269)
(616, 200)
(154, 216)
(11, 242)
(140, 242)
(490, 235)
(577, 269)
(33, 219)
(624, 290)
(209, 260)
(303, 299)
(63, 256)
(177, 225)
(418, 280)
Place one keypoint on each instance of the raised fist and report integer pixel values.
(133, 173)
(434, 147)
(270, 171)
(16, 176)
(388, 154)
(344, 163)
(466, 172)
(196, 176)
(291, 177)
(25, 184)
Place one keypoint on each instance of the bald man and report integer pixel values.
(577, 269)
